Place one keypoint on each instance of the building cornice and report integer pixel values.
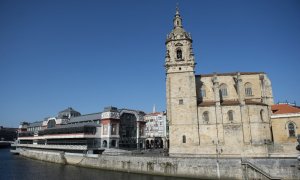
(288, 115)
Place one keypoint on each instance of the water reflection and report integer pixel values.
(18, 167)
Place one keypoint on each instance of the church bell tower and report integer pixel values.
(179, 55)
(181, 87)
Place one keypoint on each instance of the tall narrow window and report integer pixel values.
(183, 139)
(202, 92)
(291, 128)
(113, 129)
(248, 89)
(262, 115)
(179, 54)
(105, 129)
(205, 116)
(230, 115)
(223, 90)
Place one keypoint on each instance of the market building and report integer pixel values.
(91, 133)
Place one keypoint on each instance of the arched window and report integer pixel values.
(223, 90)
(205, 116)
(183, 139)
(291, 128)
(262, 115)
(230, 115)
(51, 123)
(179, 54)
(248, 89)
(104, 143)
(202, 91)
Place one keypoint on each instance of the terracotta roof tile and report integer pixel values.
(284, 109)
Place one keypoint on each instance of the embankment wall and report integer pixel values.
(203, 168)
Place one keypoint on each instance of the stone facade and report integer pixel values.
(156, 130)
(285, 122)
(225, 114)
(282, 125)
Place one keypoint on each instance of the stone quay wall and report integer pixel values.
(201, 168)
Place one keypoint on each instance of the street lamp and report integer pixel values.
(298, 148)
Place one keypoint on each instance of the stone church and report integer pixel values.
(220, 114)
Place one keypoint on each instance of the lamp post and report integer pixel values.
(298, 148)
(138, 135)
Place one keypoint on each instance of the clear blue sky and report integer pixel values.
(91, 54)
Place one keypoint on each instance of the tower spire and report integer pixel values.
(177, 19)
(177, 9)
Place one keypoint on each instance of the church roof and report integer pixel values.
(229, 74)
(284, 109)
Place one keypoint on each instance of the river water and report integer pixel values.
(21, 168)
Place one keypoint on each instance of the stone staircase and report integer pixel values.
(251, 171)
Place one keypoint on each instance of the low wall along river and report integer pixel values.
(206, 168)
